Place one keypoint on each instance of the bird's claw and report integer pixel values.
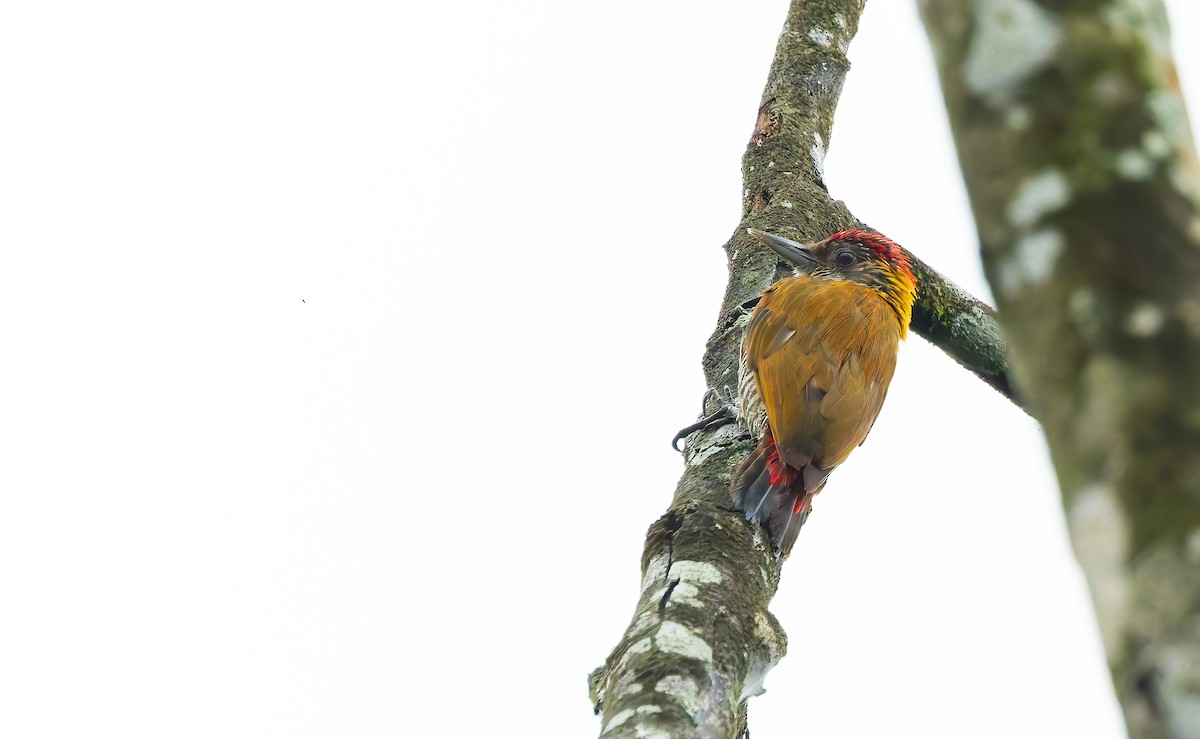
(722, 416)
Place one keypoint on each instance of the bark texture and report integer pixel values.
(1078, 158)
(701, 639)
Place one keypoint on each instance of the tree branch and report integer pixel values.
(702, 639)
(1078, 159)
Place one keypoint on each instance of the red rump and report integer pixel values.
(781, 474)
(772, 493)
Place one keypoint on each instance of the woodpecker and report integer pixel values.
(818, 356)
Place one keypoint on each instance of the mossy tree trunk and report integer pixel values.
(1078, 158)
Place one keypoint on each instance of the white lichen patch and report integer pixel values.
(1132, 164)
(682, 689)
(639, 646)
(618, 719)
(656, 570)
(1037, 253)
(821, 37)
(754, 684)
(1037, 196)
(755, 678)
(1146, 20)
(1171, 116)
(626, 684)
(786, 204)
(759, 667)
(1144, 320)
(1155, 145)
(1081, 307)
(688, 571)
(1185, 181)
(1178, 687)
(1032, 260)
(818, 155)
(1018, 118)
(676, 638)
(1012, 40)
(700, 454)
(646, 618)
(1192, 546)
(840, 19)
(639, 731)
(1100, 537)
(683, 594)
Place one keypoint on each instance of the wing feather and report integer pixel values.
(822, 380)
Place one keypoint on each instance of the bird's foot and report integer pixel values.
(722, 416)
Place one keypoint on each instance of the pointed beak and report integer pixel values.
(798, 254)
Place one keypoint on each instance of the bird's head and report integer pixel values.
(864, 257)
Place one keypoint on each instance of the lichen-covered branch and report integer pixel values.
(1080, 166)
(702, 639)
(963, 327)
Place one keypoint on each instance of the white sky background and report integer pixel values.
(341, 349)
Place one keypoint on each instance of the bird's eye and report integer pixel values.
(844, 258)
